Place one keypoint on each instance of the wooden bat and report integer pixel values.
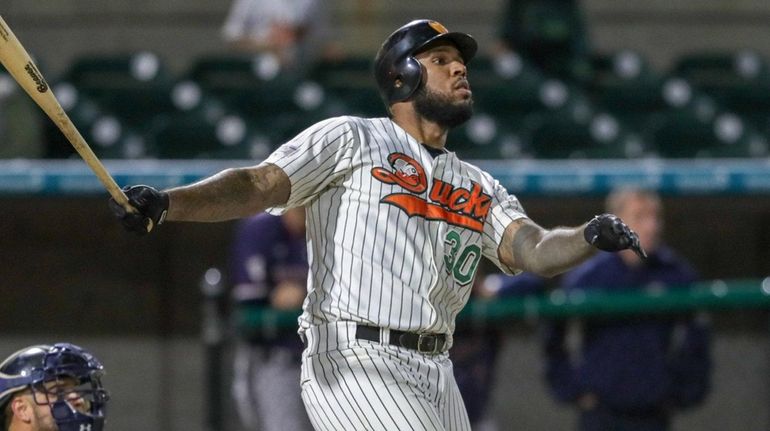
(18, 63)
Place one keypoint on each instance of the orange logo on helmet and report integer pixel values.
(435, 25)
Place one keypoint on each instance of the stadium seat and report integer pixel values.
(134, 87)
(483, 137)
(226, 75)
(623, 84)
(21, 121)
(192, 136)
(255, 88)
(509, 87)
(351, 81)
(203, 125)
(561, 135)
(739, 81)
(690, 134)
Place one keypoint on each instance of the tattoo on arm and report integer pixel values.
(524, 242)
(232, 193)
(542, 251)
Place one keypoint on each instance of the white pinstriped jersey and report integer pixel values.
(394, 235)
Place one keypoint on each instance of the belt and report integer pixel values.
(429, 344)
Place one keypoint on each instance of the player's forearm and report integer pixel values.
(230, 194)
(559, 250)
(548, 252)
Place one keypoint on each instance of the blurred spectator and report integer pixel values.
(549, 33)
(269, 267)
(630, 373)
(475, 349)
(295, 32)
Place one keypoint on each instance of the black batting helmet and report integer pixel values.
(398, 73)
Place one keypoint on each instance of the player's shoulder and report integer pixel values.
(342, 124)
(359, 123)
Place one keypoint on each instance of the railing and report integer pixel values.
(534, 177)
(709, 295)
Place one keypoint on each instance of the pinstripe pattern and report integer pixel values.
(394, 239)
(360, 385)
(371, 262)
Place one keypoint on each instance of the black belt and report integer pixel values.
(429, 344)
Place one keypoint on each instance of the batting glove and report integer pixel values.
(607, 232)
(151, 208)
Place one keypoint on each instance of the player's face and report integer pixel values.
(39, 416)
(643, 215)
(42, 399)
(446, 97)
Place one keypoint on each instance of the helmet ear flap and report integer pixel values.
(409, 76)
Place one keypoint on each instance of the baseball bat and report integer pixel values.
(19, 64)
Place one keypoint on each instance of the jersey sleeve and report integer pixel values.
(505, 209)
(315, 159)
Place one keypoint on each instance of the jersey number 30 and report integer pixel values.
(461, 262)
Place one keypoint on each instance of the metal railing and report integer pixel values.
(707, 295)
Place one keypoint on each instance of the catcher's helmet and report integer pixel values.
(398, 73)
(34, 366)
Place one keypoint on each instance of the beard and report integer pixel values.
(440, 109)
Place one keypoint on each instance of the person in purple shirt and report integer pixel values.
(630, 373)
(269, 267)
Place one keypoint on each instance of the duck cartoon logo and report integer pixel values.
(455, 205)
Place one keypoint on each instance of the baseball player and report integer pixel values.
(52, 388)
(396, 228)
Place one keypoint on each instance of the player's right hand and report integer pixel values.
(151, 208)
(608, 232)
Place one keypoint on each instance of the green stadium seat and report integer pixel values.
(350, 80)
(134, 87)
(191, 136)
(690, 134)
(21, 121)
(507, 86)
(483, 137)
(285, 103)
(83, 112)
(106, 134)
(739, 81)
(625, 85)
(565, 135)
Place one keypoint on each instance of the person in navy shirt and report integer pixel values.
(630, 373)
(269, 267)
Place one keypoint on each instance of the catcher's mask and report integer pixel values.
(62, 376)
(398, 72)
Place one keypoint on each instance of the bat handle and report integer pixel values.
(120, 197)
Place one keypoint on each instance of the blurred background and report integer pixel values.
(572, 98)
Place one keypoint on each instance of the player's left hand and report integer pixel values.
(608, 232)
(151, 207)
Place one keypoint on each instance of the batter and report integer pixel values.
(396, 228)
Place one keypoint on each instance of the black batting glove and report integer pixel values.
(608, 232)
(151, 207)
